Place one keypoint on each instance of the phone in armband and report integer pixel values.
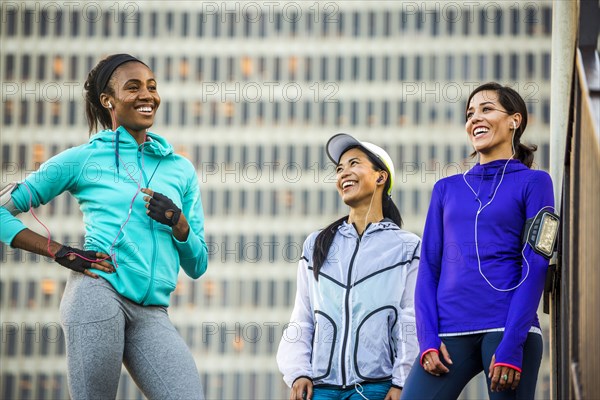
(541, 232)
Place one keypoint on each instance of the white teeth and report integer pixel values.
(145, 109)
(347, 184)
(479, 131)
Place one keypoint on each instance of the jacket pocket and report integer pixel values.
(374, 350)
(167, 258)
(324, 345)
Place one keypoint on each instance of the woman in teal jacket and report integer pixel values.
(143, 219)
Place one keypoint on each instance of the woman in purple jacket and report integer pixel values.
(479, 284)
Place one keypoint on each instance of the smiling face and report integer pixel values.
(135, 98)
(357, 179)
(490, 127)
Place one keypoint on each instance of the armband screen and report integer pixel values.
(540, 232)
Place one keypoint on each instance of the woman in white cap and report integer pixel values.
(352, 330)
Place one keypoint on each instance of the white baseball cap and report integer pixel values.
(340, 143)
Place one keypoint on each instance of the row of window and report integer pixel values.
(217, 385)
(427, 108)
(253, 78)
(207, 292)
(239, 20)
(267, 164)
(253, 337)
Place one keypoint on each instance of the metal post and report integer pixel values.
(565, 15)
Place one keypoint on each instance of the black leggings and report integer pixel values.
(470, 355)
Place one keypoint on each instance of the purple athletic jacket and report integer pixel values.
(452, 295)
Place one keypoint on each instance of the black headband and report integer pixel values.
(109, 67)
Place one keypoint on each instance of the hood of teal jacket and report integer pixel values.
(122, 139)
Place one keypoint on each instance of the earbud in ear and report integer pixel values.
(109, 105)
(380, 179)
(514, 125)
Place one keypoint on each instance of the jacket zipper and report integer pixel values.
(151, 222)
(347, 314)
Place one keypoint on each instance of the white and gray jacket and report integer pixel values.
(357, 322)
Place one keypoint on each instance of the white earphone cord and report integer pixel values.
(481, 208)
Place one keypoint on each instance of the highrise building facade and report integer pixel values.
(251, 91)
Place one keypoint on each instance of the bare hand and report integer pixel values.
(300, 387)
(433, 364)
(393, 394)
(502, 377)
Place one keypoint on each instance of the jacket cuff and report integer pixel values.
(425, 352)
(509, 354)
(301, 376)
(498, 364)
(397, 387)
(188, 248)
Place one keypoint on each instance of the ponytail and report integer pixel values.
(524, 153)
(94, 111)
(323, 243)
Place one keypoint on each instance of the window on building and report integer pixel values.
(372, 24)
(9, 67)
(418, 71)
(41, 67)
(28, 22)
(185, 24)
(451, 18)
(514, 66)
(530, 65)
(531, 19)
(419, 20)
(10, 341)
(356, 24)
(355, 68)
(371, 68)
(387, 23)
(9, 110)
(153, 24)
(58, 22)
(323, 68)
(483, 19)
(498, 67)
(466, 22)
(385, 113)
(546, 111)
(546, 65)
(385, 64)
(514, 21)
(498, 21)
(402, 68)
(547, 20)
(12, 17)
(435, 23)
(416, 201)
(433, 66)
(482, 67)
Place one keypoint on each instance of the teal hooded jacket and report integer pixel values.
(105, 176)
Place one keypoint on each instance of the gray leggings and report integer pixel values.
(104, 330)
